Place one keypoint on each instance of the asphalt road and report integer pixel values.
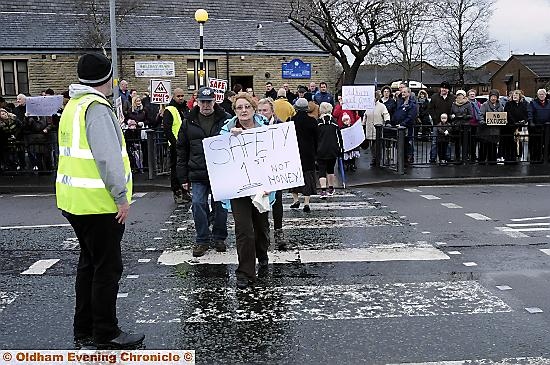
(374, 276)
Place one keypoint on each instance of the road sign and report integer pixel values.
(160, 91)
(155, 69)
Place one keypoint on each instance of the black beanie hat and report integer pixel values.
(94, 69)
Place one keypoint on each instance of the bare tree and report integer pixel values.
(344, 27)
(98, 35)
(462, 37)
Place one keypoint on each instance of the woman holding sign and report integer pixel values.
(489, 134)
(251, 222)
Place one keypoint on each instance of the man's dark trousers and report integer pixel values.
(98, 274)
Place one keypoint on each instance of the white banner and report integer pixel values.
(161, 91)
(219, 86)
(257, 160)
(119, 110)
(358, 97)
(40, 106)
(353, 136)
(155, 69)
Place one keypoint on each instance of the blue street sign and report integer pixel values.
(296, 69)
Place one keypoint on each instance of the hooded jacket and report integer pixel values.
(329, 142)
(191, 165)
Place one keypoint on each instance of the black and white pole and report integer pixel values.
(201, 16)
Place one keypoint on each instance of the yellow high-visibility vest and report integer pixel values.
(79, 187)
(177, 122)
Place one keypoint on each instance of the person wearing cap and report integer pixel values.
(301, 94)
(388, 100)
(306, 134)
(440, 103)
(203, 121)
(283, 109)
(461, 113)
(489, 135)
(93, 191)
(172, 119)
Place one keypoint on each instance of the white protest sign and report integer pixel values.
(219, 86)
(155, 69)
(257, 160)
(358, 97)
(40, 106)
(161, 91)
(353, 136)
(119, 110)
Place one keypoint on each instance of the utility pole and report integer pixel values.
(114, 55)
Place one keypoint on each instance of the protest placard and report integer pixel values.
(119, 110)
(40, 106)
(161, 91)
(358, 97)
(261, 159)
(496, 118)
(219, 86)
(155, 69)
(353, 136)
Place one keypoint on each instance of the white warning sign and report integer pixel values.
(160, 91)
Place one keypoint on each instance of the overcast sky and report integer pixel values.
(521, 26)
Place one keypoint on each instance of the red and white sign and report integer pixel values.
(219, 86)
(161, 91)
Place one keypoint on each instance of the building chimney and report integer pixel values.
(259, 41)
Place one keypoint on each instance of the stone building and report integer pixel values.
(526, 72)
(245, 42)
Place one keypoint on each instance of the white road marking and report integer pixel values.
(504, 287)
(451, 205)
(40, 267)
(413, 190)
(168, 222)
(511, 232)
(320, 302)
(413, 224)
(163, 229)
(139, 195)
(469, 264)
(533, 310)
(508, 361)
(336, 195)
(181, 229)
(150, 249)
(478, 217)
(527, 224)
(122, 295)
(542, 185)
(157, 238)
(70, 245)
(335, 206)
(546, 251)
(132, 276)
(144, 261)
(32, 195)
(173, 216)
(426, 232)
(529, 219)
(431, 197)
(340, 222)
(529, 229)
(454, 253)
(441, 243)
(36, 226)
(6, 299)
(391, 252)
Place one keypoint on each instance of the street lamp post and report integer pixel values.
(201, 16)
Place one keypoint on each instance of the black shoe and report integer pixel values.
(178, 197)
(186, 196)
(220, 246)
(243, 283)
(306, 209)
(123, 341)
(263, 267)
(199, 250)
(84, 343)
(295, 205)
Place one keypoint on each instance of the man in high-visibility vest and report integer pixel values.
(173, 116)
(93, 189)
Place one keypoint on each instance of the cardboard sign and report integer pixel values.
(40, 106)
(496, 118)
(119, 110)
(161, 91)
(358, 97)
(353, 136)
(219, 86)
(155, 69)
(258, 160)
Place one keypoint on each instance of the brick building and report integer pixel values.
(526, 72)
(43, 41)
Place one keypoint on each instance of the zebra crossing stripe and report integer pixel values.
(508, 361)
(321, 302)
(529, 219)
(40, 267)
(336, 206)
(391, 252)
(431, 197)
(35, 226)
(451, 205)
(478, 217)
(514, 233)
(139, 195)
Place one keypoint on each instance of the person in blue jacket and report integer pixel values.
(405, 116)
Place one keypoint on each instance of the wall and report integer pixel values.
(526, 78)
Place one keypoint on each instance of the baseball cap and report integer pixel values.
(206, 93)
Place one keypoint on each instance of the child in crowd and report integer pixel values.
(443, 137)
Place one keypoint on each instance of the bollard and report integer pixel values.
(377, 146)
(546, 143)
(151, 154)
(466, 133)
(401, 149)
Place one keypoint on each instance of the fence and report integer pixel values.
(398, 147)
(147, 150)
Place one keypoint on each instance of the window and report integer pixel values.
(14, 77)
(211, 68)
